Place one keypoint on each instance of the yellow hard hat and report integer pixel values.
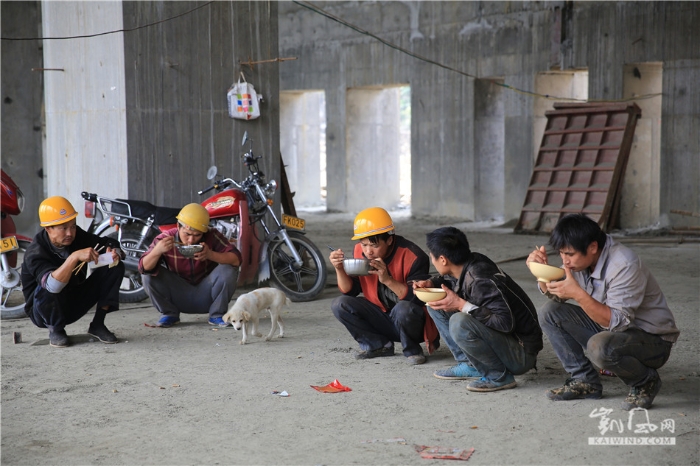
(372, 221)
(194, 216)
(55, 211)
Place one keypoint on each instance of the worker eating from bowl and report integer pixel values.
(488, 321)
(621, 319)
(201, 284)
(388, 311)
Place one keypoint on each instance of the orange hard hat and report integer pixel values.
(371, 222)
(56, 210)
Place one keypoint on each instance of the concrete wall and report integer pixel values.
(138, 114)
(508, 42)
(22, 94)
(177, 76)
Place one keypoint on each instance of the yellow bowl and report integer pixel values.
(428, 295)
(546, 273)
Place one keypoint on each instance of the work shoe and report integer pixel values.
(415, 359)
(218, 321)
(574, 389)
(487, 385)
(58, 338)
(460, 371)
(642, 396)
(168, 321)
(378, 353)
(102, 333)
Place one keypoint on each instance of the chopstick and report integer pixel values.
(79, 267)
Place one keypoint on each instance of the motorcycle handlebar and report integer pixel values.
(220, 185)
(206, 190)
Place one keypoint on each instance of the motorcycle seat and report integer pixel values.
(143, 209)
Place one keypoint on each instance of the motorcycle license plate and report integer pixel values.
(293, 222)
(10, 244)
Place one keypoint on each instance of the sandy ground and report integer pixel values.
(193, 395)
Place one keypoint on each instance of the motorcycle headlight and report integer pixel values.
(20, 200)
(270, 188)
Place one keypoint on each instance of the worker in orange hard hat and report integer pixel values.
(57, 287)
(388, 312)
(200, 273)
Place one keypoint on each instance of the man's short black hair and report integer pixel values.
(577, 231)
(449, 242)
(375, 239)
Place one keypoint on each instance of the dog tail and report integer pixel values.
(287, 301)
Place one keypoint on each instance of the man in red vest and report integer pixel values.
(388, 311)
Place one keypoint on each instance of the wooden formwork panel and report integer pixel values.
(580, 165)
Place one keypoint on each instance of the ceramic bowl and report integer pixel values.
(189, 250)
(356, 266)
(546, 273)
(428, 295)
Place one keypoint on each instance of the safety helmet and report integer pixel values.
(55, 211)
(194, 216)
(371, 222)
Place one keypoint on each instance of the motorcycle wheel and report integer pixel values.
(131, 289)
(12, 305)
(298, 283)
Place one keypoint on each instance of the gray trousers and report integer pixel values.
(172, 295)
(633, 355)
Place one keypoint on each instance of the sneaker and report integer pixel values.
(642, 396)
(460, 371)
(378, 353)
(487, 385)
(168, 321)
(102, 333)
(415, 359)
(574, 389)
(218, 321)
(58, 338)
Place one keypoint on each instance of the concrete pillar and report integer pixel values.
(85, 103)
(373, 148)
(489, 147)
(641, 188)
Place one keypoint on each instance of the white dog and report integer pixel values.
(247, 308)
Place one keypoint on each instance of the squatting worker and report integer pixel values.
(55, 281)
(622, 321)
(486, 319)
(201, 284)
(388, 311)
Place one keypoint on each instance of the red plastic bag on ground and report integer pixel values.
(333, 387)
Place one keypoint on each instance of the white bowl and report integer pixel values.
(356, 266)
(428, 295)
(189, 250)
(546, 273)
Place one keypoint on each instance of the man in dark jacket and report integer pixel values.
(486, 319)
(55, 284)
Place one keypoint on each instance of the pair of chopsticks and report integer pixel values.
(79, 267)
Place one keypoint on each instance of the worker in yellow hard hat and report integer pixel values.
(57, 287)
(200, 269)
(388, 312)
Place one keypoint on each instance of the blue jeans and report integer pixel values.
(442, 322)
(494, 354)
(171, 294)
(372, 328)
(633, 355)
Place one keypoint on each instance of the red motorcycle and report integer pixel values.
(12, 248)
(272, 250)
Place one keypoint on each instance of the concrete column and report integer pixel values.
(489, 146)
(85, 103)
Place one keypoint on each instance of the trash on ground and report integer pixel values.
(443, 453)
(282, 393)
(333, 387)
(607, 372)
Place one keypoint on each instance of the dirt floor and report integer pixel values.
(193, 395)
